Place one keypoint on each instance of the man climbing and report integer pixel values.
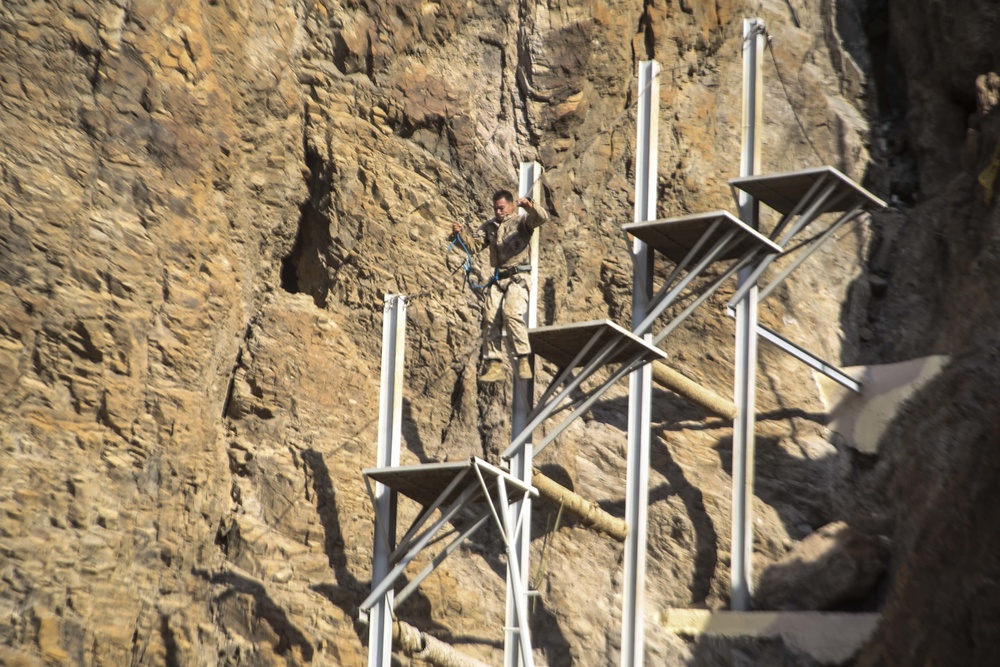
(506, 295)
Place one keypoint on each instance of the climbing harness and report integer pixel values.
(498, 273)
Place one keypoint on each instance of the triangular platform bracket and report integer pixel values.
(790, 192)
(694, 243)
(452, 488)
(578, 351)
(802, 197)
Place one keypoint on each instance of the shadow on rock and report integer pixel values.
(706, 552)
(350, 591)
(548, 636)
(265, 608)
(802, 479)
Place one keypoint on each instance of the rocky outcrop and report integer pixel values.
(201, 208)
(136, 233)
(833, 567)
(936, 255)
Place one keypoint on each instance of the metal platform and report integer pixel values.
(474, 485)
(426, 482)
(677, 237)
(562, 344)
(586, 346)
(802, 197)
(784, 191)
(694, 242)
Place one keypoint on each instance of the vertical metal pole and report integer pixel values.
(530, 186)
(640, 381)
(521, 462)
(741, 575)
(390, 412)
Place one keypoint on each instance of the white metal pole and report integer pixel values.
(741, 551)
(530, 186)
(517, 641)
(640, 381)
(389, 423)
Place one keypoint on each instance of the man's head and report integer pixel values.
(503, 204)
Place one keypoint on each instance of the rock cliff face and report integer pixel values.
(202, 205)
(932, 264)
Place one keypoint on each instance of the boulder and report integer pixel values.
(832, 567)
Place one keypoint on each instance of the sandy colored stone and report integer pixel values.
(202, 206)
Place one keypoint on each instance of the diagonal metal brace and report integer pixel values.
(386, 584)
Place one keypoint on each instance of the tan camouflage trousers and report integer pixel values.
(505, 308)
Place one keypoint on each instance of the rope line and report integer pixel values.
(781, 80)
(920, 224)
(477, 289)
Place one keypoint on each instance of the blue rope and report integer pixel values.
(476, 288)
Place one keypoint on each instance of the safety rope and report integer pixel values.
(540, 570)
(477, 289)
(770, 48)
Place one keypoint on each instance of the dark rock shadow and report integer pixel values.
(172, 658)
(617, 507)
(306, 269)
(803, 491)
(547, 635)
(665, 405)
(712, 423)
(264, 608)
(549, 301)
(350, 591)
(706, 538)
(710, 651)
(410, 434)
(333, 540)
(788, 414)
(557, 473)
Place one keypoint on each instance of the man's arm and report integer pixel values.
(535, 215)
(474, 241)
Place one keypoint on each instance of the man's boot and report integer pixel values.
(493, 373)
(523, 368)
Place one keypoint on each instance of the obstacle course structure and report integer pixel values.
(706, 250)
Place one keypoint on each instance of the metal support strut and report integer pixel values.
(466, 493)
(741, 576)
(516, 641)
(640, 381)
(384, 498)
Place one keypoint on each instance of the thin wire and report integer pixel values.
(777, 69)
(781, 79)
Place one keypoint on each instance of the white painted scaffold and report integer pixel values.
(801, 197)
(465, 495)
(706, 250)
(694, 243)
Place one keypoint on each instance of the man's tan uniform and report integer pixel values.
(506, 299)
